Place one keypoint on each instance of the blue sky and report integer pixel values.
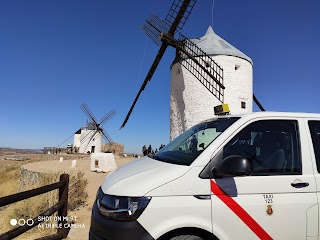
(57, 54)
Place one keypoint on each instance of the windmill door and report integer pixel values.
(278, 200)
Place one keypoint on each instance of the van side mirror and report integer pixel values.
(201, 145)
(233, 166)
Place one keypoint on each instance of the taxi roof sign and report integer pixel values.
(222, 109)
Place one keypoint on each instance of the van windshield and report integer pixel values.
(189, 145)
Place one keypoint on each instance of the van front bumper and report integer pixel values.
(105, 229)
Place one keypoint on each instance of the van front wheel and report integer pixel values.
(186, 237)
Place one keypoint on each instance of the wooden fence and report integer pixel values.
(61, 207)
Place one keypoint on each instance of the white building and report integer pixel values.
(191, 102)
(88, 140)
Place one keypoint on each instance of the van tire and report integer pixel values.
(186, 237)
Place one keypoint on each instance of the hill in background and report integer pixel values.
(13, 151)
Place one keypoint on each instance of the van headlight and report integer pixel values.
(121, 208)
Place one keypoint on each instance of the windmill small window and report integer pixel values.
(243, 105)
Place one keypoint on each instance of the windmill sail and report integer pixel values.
(258, 103)
(174, 12)
(85, 137)
(87, 140)
(87, 111)
(154, 26)
(106, 136)
(178, 14)
(202, 66)
(107, 117)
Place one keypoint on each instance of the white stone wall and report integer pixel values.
(76, 140)
(103, 162)
(86, 144)
(191, 102)
(98, 143)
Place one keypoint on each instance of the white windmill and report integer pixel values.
(88, 139)
(205, 73)
(190, 101)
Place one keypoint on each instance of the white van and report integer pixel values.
(250, 177)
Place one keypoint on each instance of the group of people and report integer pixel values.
(65, 150)
(149, 151)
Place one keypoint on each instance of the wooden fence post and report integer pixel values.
(62, 213)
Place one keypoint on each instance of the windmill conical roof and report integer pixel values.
(212, 44)
(89, 126)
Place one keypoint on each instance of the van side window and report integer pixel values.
(314, 127)
(271, 145)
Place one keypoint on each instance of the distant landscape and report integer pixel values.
(6, 151)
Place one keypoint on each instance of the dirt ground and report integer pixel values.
(95, 179)
(6, 162)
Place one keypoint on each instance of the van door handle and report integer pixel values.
(203, 197)
(300, 184)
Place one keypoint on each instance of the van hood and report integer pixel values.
(137, 178)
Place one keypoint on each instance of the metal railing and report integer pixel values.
(61, 207)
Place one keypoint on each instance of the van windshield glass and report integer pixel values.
(188, 146)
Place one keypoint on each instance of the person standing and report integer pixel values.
(144, 150)
(194, 144)
(149, 149)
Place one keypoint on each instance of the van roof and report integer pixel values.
(270, 114)
(277, 114)
(283, 114)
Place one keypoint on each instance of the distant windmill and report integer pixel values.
(89, 138)
(189, 55)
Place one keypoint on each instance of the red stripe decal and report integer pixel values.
(240, 212)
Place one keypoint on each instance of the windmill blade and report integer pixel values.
(89, 114)
(107, 117)
(176, 18)
(174, 11)
(106, 136)
(153, 27)
(147, 79)
(198, 63)
(83, 140)
(181, 10)
(90, 139)
(258, 103)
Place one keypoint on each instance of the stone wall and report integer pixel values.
(28, 177)
(114, 148)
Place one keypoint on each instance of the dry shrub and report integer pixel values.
(9, 179)
(30, 208)
(77, 191)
